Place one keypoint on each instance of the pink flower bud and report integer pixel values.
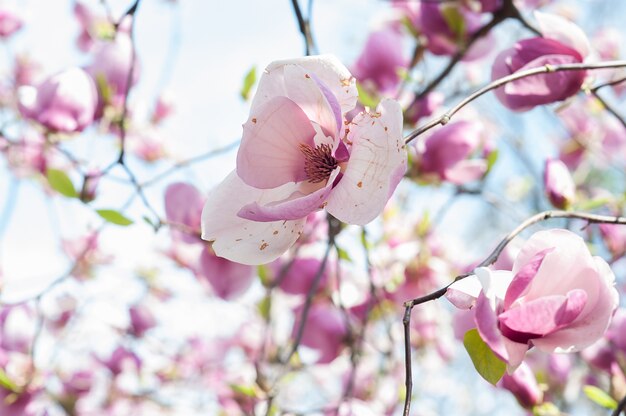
(324, 331)
(163, 108)
(65, 102)
(614, 236)
(558, 183)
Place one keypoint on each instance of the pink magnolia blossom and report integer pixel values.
(227, 279)
(557, 298)
(562, 43)
(95, 26)
(614, 236)
(446, 26)
(183, 207)
(110, 68)
(64, 102)
(163, 108)
(523, 384)
(9, 23)
(445, 155)
(300, 273)
(381, 60)
(558, 184)
(122, 359)
(325, 330)
(299, 155)
(423, 107)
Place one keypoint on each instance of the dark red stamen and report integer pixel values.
(318, 162)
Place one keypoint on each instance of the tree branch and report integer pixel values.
(447, 116)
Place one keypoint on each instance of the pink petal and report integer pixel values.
(466, 171)
(463, 293)
(270, 155)
(562, 30)
(242, 240)
(523, 278)
(313, 97)
(327, 68)
(228, 279)
(297, 206)
(544, 88)
(183, 205)
(542, 316)
(593, 321)
(376, 157)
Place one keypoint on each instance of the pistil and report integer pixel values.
(319, 162)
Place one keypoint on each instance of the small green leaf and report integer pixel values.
(343, 254)
(7, 383)
(264, 307)
(60, 182)
(490, 367)
(455, 20)
(592, 204)
(491, 159)
(244, 390)
(367, 99)
(248, 82)
(114, 217)
(599, 396)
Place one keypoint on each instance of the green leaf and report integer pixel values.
(7, 383)
(343, 254)
(546, 409)
(491, 159)
(114, 217)
(367, 99)
(243, 390)
(264, 307)
(455, 20)
(592, 204)
(60, 182)
(248, 82)
(490, 367)
(599, 396)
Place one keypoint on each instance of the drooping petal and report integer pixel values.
(562, 30)
(297, 206)
(242, 240)
(377, 155)
(270, 155)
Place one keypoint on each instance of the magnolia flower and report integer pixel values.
(445, 155)
(557, 298)
(523, 384)
(558, 184)
(299, 155)
(325, 330)
(381, 60)
(562, 43)
(65, 102)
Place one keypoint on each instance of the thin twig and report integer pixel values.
(620, 407)
(447, 116)
(305, 26)
(493, 256)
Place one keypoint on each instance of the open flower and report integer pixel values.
(298, 154)
(562, 43)
(557, 298)
(65, 102)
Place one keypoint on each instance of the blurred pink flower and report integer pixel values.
(183, 206)
(381, 60)
(562, 43)
(300, 274)
(324, 331)
(558, 184)
(607, 42)
(558, 298)
(423, 107)
(122, 359)
(614, 236)
(79, 383)
(111, 67)
(64, 102)
(9, 23)
(163, 108)
(523, 384)
(141, 320)
(446, 153)
(297, 156)
(227, 279)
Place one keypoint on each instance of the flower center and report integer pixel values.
(318, 162)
